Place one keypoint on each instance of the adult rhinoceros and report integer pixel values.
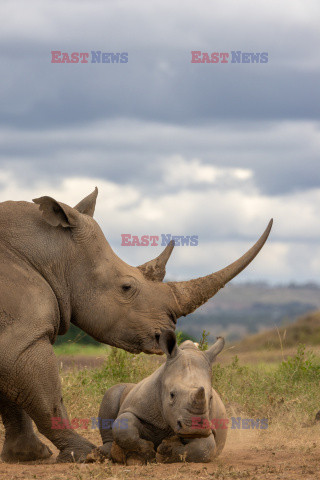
(57, 268)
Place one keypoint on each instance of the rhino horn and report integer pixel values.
(155, 270)
(198, 397)
(193, 293)
(199, 394)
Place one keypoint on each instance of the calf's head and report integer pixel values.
(112, 301)
(186, 386)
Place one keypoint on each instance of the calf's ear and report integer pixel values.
(216, 348)
(56, 213)
(168, 343)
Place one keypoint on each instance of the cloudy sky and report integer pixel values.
(213, 150)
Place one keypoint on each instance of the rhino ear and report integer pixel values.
(56, 213)
(168, 343)
(155, 270)
(88, 204)
(216, 348)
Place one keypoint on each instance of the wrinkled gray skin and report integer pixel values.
(160, 411)
(57, 268)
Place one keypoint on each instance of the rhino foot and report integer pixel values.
(119, 455)
(175, 449)
(76, 454)
(167, 452)
(25, 448)
(97, 456)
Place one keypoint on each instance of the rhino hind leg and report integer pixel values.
(130, 448)
(21, 444)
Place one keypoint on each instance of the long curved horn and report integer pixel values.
(155, 270)
(193, 293)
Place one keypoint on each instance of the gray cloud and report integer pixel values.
(282, 155)
(159, 82)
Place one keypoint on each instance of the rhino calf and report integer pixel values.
(173, 415)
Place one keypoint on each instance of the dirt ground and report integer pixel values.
(249, 454)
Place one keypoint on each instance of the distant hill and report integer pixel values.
(242, 309)
(305, 330)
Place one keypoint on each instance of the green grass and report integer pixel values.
(287, 392)
(80, 349)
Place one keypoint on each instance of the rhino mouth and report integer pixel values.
(153, 346)
(148, 344)
(189, 431)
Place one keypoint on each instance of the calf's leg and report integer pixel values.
(108, 412)
(126, 434)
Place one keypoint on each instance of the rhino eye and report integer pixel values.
(171, 395)
(126, 287)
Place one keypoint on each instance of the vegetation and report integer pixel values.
(203, 342)
(71, 348)
(75, 335)
(285, 392)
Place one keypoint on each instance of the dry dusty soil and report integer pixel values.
(249, 454)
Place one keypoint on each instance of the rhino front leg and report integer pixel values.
(197, 450)
(20, 444)
(35, 387)
(133, 449)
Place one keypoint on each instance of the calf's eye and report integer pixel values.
(126, 287)
(171, 395)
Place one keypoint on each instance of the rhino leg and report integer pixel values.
(20, 444)
(109, 410)
(197, 450)
(126, 434)
(35, 387)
